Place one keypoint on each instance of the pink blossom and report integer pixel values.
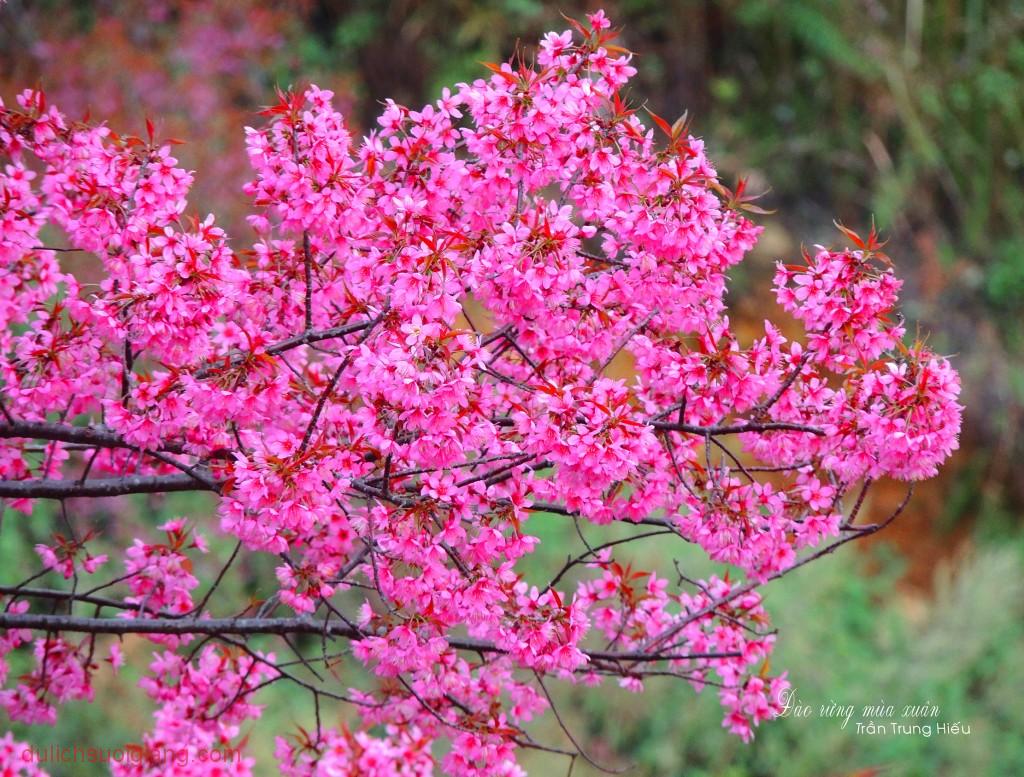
(387, 448)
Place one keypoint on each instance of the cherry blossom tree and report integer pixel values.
(405, 372)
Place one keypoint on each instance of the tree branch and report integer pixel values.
(276, 626)
(84, 435)
(712, 431)
(132, 484)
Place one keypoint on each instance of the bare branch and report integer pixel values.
(218, 627)
(99, 487)
(712, 431)
(85, 435)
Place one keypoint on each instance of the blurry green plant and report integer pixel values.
(930, 95)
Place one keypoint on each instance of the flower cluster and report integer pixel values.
(845, 302)
(62, 673)
(349, 754)
(68, 555)
(160, 574)
(16, 758)
(202, 706)
(408, 369)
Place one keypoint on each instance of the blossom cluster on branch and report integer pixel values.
(404, 372)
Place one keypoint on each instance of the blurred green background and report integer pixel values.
(907, 112)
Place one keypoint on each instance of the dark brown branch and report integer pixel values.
(548, 507)
(306, 338)
(625, 341)
(705, 431)
(274, 626)
(763, 407)
(582, 558)
(131, 484)
(84, 435)
(210, 626)
(84, 598)
(603, 259)
(324, 334)
(568, 733)
(712, 431)
(856, 533)
(308, 272)
(329, 390)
